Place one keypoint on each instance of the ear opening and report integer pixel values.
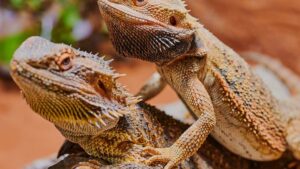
(198, 48)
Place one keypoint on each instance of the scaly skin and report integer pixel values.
(289, 108)
(287, 76)
(216, 84)
(78, 93)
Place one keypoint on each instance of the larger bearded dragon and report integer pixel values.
(79, 94)
(215, 83)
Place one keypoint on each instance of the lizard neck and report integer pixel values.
(120, 143)
(219, 57)
(218, 53)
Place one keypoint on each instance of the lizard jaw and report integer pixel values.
(110, 10)
(136, 35)
(69, 99)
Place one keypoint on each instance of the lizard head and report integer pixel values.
(151, 30)
(75, 90)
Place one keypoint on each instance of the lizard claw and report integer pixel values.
(163, 155)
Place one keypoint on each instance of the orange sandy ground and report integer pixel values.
(25, 136)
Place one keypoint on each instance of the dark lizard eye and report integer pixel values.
(173, 21)
(65, 62)
(140, 2)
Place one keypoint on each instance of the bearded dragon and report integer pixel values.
(78, 93)
(289, 108)
(217, 85)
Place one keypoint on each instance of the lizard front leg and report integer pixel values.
(152, 87)
(197, 98)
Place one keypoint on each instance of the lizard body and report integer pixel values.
(74, 89)
(215, 83)
(289, 108)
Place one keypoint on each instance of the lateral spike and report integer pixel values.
(109, 116)
(94, 114)
(139, 98)
(123, 112)
(114, 114)
(116, 76)
(91, 122)
(119, 114)
(102, 106)
(134, 100)
(97, 124)
(102, 122)
(110, 61)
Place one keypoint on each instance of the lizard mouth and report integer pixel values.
(67, 105)
(125, 14)
(136, 35)
(69, 98)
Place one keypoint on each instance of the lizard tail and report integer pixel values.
(287, 76)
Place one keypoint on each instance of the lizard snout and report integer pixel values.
(27, 48)
(35, 48)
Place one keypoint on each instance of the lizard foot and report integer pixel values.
(170, 156)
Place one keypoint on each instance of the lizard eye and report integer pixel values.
(65, 62)
(140, 2)
(173, 21)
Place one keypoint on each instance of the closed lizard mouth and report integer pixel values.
(35, 83)
(127, 15)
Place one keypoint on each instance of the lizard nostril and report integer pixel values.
(173, 21)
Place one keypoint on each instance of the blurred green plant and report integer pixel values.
(9, 44)
(33, 4)
(67, 18)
